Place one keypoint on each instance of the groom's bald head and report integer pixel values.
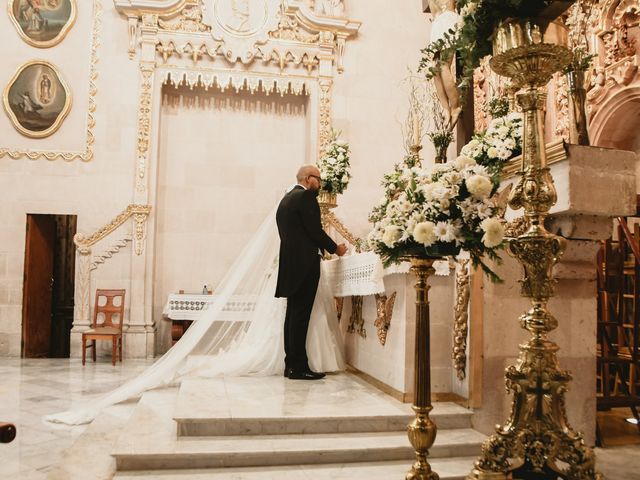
(309, 177)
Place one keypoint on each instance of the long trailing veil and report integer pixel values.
(253, 346)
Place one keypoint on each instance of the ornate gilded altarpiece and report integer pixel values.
(609, 29)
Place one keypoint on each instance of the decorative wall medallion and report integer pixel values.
(42, 23)
(241, 17)
(241, 25)
(37, 99)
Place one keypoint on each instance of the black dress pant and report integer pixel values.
(296, 322)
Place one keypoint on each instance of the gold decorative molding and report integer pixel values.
(46, 43)
(144, 122)
(461, 319)
(325, 126)
(84, 243)
(87, 154)
(356, 321)
(384, 312)
(332, 220)
(561, 106)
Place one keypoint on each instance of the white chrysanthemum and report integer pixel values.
(428, 190)
(479, 186)
(484, 209)
(445, 232)
(492, 152)
(493, 232)
(391, 235)
(425, 233)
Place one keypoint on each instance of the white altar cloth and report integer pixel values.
(181, 306)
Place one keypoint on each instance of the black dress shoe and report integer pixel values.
(287, 371)
(307, 375)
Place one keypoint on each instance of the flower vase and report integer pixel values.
(441, 153)
(327, 201)
(422, 431)
(578, 133)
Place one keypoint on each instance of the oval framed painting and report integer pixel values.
(37, 99)
(42, 23)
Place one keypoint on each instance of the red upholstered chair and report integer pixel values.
(107, 323)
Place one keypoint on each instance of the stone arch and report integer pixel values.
(617, 122)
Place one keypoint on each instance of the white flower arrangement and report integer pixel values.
(500, 142)
(438, 212)
(334, 166)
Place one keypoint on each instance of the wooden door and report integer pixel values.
(38, 284)
(63, 286)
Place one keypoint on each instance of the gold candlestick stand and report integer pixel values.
(537, 435)
(422, 431)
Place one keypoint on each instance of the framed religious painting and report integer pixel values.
(42, 23)
(37, 99)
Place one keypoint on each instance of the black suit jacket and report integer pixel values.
(301, 237)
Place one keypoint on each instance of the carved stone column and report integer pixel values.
(139, 327)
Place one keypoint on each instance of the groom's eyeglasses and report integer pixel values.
(316, 177)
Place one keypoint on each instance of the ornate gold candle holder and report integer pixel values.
(537, 435)
(422, 431)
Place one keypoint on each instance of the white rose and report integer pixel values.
(492, 152)
(391, 235)
(479, 186)
(493, 232)
(425, 233)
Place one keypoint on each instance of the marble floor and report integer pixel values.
(30, 389)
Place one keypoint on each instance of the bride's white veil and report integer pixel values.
(212, 347)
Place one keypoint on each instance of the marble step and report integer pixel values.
(274, 405)
(272, 450)
(454, 468)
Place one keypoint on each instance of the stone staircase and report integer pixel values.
(262, 428)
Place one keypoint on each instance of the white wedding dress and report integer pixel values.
(254, 346)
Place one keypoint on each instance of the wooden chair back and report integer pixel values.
(111, 313)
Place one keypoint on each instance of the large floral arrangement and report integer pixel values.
(437, 212)
(501, 141)
(470, 41)
(334, 166)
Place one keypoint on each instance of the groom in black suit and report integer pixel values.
(302, 241)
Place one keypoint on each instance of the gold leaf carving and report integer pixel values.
(384, 311)
(461, 321)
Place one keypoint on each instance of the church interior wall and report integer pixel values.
(368, 106)
(95, 190)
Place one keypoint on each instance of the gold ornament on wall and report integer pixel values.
(37, 99)
(45, 23)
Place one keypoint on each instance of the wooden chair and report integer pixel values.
(108, 329)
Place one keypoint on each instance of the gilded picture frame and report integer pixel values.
(42, 23)
(37, 99)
